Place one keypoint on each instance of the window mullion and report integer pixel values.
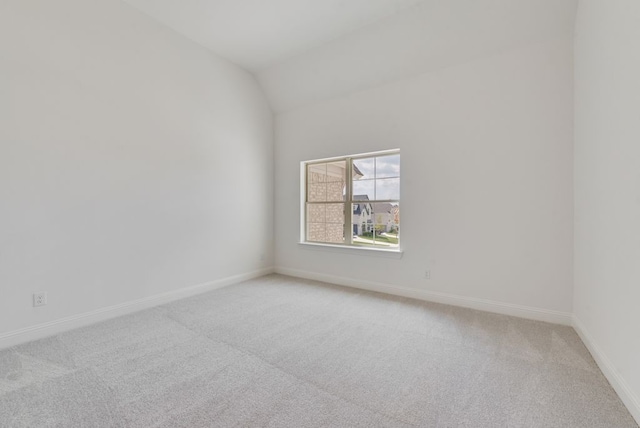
(305, 212)
(348, 207)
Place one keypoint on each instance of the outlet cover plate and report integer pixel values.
(39, 299)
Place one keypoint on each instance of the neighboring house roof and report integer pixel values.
(382, 207)
(376, 207)
(357, 208)
(357, 172)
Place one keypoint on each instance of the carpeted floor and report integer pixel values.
(284, 352)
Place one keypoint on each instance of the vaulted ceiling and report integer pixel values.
(305, 51)
(256, 34)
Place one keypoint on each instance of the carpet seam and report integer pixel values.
(251, 354)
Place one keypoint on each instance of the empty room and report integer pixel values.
(319, 213)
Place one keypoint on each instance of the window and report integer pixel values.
(361, 211)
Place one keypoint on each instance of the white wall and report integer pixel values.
(430, 36)
(487, 177)
(132, 161)
(607, 189)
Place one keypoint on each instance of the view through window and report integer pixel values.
(363, 210)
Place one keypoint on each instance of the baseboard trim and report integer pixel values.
(61, 325)
(555, 317)
(608, 369)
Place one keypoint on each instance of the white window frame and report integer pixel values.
(348, 204)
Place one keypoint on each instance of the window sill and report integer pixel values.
(345, 249)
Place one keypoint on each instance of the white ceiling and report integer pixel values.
(257, 34)
(306, 51)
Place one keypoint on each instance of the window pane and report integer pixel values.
(317, 173)
(386, 217)
(316, 232)
(388, 166)
(336, 171)
(364, 168)
(362, 224)
(363, 190)
(335, 213)
(317, 192)
(388, 188)
(335, 233)
(376, 224)
(325, 223)
(326, 182)
(316, 213)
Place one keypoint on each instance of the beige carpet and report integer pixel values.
(283, 352)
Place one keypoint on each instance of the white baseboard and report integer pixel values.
(610, 372)
(555, 317)
(51, 328)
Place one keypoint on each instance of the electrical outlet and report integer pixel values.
(427, 274)
(39, 299)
